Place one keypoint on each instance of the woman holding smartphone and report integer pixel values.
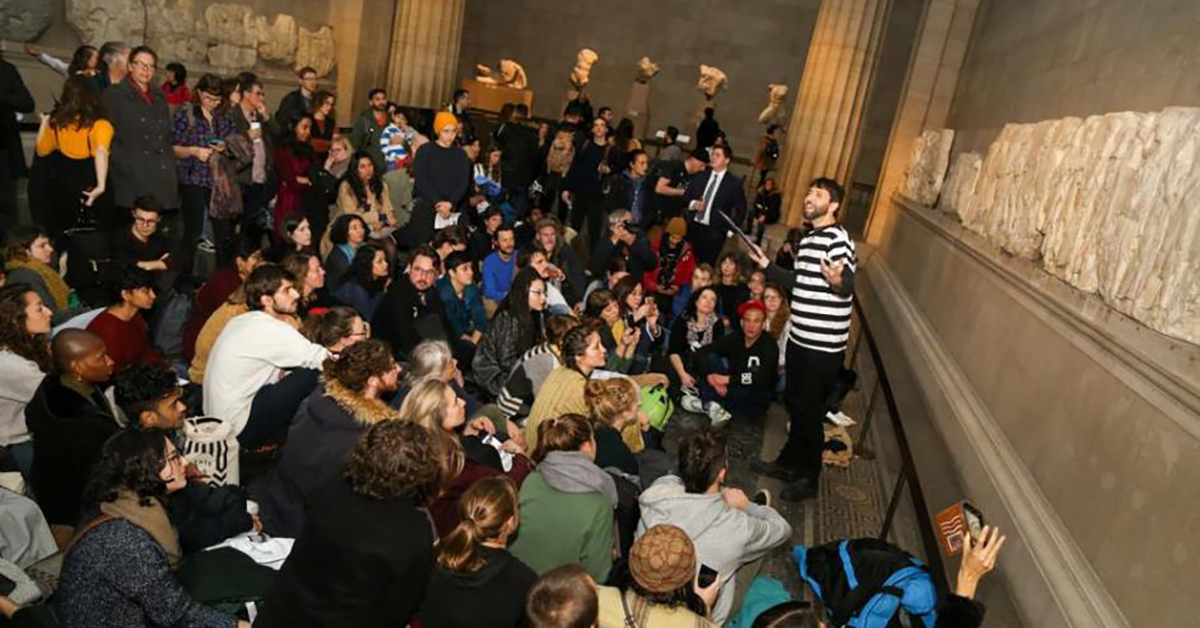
(199, 132)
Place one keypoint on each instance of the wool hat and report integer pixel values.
(677, 226)
(754, 304)
(442, 119)
(663, 560)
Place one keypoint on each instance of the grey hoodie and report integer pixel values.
(726, 538)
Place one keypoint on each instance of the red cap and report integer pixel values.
(754, 304)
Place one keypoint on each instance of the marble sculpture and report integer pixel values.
(927, 166)
(1107, 204)
(776, 94)
(581, 73)
(227, 37)
(511, 75)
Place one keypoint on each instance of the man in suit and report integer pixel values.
(713, 190)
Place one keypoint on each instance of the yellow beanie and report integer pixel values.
(442, 119)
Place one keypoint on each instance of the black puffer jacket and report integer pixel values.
(499, 351)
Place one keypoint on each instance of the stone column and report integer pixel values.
(823, 133)
(425, 44)
(937, 60)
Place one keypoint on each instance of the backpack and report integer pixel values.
(657, 405)
(868, 583)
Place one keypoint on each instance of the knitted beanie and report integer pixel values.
(442, 119)
(663, 560)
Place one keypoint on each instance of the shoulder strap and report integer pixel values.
(629, 621)
(81, 532)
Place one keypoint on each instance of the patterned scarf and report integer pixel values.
(55, 286)
(700, 333)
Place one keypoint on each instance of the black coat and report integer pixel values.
(403, 320)
(493, 596)
(206, 515)
(68, 432)
(519, 159)
(359, 562)
(14, 98)
(320, 438)
(143, 158)
(639, 256)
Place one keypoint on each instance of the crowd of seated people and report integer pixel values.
(431, 351)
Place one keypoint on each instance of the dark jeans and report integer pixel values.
(593, 210)
(254, 206)
(811, 375)
(274, 406)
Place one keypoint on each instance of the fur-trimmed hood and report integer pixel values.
(365, 411)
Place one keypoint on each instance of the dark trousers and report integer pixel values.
(194, 200)
(592, 209)
(811, 375)
(254, 207)
(738, 400)
(707, 240)
(274, 406)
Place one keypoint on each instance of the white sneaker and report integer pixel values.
(839, 418)
(720, 416)
(692, 403)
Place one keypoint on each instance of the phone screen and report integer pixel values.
(974, 522)
(707, 576)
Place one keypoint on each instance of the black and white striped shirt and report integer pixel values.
(821, 318)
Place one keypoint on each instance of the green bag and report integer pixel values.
(657, 406)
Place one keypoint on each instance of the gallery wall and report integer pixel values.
(1036, 60)
(754, 43)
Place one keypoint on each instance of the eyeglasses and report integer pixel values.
(143, 64)
(149, 222)
(538, 292)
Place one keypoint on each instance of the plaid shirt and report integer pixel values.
(192, 130)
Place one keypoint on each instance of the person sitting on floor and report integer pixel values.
(462, 299)
(564, 597)
(338, 412)
(728, 529)
(245, 381)
(25, 360)
(517, 328)
(128, 533)
(69, 419)
(737, 371)
(516, 398)
(567, 503)
(366, 550)
(121, 325)
(217, 290)
(411, 310)
(663, 589)
(476, 581)
(149, 396)
(366, 281)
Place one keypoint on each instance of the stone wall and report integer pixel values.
(1045, 59)
(754, 43)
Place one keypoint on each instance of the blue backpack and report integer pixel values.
(868, 583)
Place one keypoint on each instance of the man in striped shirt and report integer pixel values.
(821, 301)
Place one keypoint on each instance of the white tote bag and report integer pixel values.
(212, 446)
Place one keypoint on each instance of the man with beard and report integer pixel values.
(412, 311)
(822, 300)
(261, 367)
(369, 125)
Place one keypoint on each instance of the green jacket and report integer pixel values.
(560, 528)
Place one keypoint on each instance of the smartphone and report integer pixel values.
(707, 576)
(974, 519)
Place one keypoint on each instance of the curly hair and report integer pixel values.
(14, 333)
(395, 459)
(140, 387)
(339, 231)
(359, 362)
(119, 279)
(702, 456)
(362, 268)
(608, 399)
(568, 432)
(485, 509)
(130, 461)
